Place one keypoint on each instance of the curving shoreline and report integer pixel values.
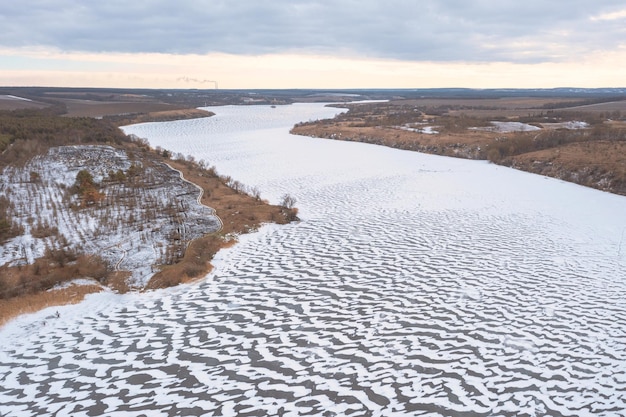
(245, 213)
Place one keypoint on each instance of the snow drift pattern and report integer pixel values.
(415, 285)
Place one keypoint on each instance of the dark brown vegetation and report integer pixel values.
(56, 267)
(8, 227)
(589, 156)
(599, 164)
(26, 133)
(87, 189)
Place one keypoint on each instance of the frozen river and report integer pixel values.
(414, 285)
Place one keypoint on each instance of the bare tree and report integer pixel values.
(288, 201)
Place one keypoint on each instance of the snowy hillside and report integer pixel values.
(141, 208)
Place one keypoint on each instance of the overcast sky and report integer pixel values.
(323, 44)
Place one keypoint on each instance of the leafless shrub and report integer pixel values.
(255, 193)
(43, 230)
(287, 201)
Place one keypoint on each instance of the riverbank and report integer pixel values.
(131, 217)
(542, 136)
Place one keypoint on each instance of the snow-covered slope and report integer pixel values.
(131, 229)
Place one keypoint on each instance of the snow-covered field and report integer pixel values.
(10, 97)
(415, 285)
(505, 127)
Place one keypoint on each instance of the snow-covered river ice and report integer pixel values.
(414, 285)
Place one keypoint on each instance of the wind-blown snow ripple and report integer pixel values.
(414, 285)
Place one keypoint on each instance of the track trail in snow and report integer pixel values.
(199, 199)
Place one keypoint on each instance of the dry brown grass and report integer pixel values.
(467, 144)
(195, 264)
(13, 307)
(617, 124)
(513, 106)
(597, 164)
(611, 155)
(117, 281)
(54, 268)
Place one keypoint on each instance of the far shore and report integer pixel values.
(160, 116)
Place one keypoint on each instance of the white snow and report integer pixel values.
(572, 124)
(78, 281)
(415, 285)
(12, 97)
(506, 127)
(411, 127)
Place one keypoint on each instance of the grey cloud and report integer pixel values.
(479, 30)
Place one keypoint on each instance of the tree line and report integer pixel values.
(26, 133)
